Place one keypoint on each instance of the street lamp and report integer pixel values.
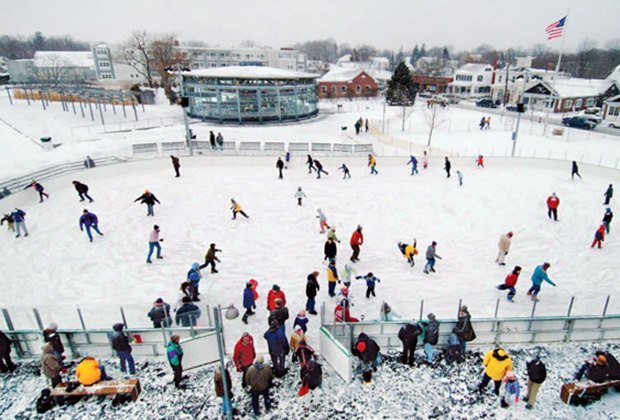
(184, 104)
(520, 110)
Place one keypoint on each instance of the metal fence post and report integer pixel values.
(123, 316)
(421, 308)
(79, 311)
(459, 311)
(209, 316)
(529, 326)
(600, 323)
(570, 305)
(219, 309)
(37, 317)
(219, 333)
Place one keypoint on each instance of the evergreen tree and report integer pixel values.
(415, 54)
(423, 51)
(400, 88)
(446, 54)
(400, 56)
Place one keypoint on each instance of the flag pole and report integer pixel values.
(557, 67)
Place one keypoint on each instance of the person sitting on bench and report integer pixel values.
(89, 372)
(596, 371)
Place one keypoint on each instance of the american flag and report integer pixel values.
(556, 28)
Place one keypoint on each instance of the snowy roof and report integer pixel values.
(381, 74)
(64, 58)
(339, 74)
(473, 68)
(250, 72)
(579, 88)
(614, 76)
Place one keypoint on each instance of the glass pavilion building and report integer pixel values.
(250, 94)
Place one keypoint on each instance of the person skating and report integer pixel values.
(10, 221)
(348, 274)
(287, 159)
(510, 283)
(312, 287)
(599, 236)
(386, 313)
(6, 364)
(345, 170)
(236, 208)
(188, 314)
(371, 281)
(120, 343)
(259, 377)
(511, 390)
(357, 240)
(503, 246)
(244, 355)
(176, 164)
(372, 164)
(319, 169)
(447, 165)
(496, 363)
(278, 347)
(322, 220)
(194, 276)
(480, 161)
(19, 216)
(174, 353)
(332, 277)
(39, 189)
(90, 221)
(431, 336)
(310, 163)
(366, 125)
(358, 126)
(302, 320)
(211, 258)
(280, 167)
(487, 123)
(459, 175)
(330, 249)
(539, 275)
(212, 140)
(609, 193)
(280, 314)
(299, 195)
(553, 202)
(464, 330)
(160, 314)
(414, 164)
(536, 375)
(220, 141)
(218, 382)
(409, 334)
(248, 302)
(482, 123)
(331, 234)
(50, 365)
(149, 199)
(154, 241)
(607, 218)
(82, 190)
(575, 170)
(431, 255)
(275, 293)
(425, 160)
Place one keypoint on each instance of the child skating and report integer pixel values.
(371, 280)
(322, 220)
(510, 283)
(299, 195)
(236, 208)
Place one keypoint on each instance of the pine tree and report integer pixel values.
(415, 54)
(400, 88)
(423, 51)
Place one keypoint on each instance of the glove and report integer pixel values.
(506, 253)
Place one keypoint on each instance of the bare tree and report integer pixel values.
(434, 118)
(165, 54)
(136, 52)
(50, 70)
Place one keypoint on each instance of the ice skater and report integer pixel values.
(607, 217)
(575, 171)
(425, 160)
(19, 216)
(82, 190)
(176, 164)
(480, 161)
(510, 283)
(357, 240)
(10, 222)
(154, 241)
(319, 169)
(553, 202)
(503, 246)
(220, 141)
(287, 159)
(539, 275)
(322, 220)
(345, 171)
(372, 163)
(90, 221)
(299, 195)
(487, 123)
(608, 194)
(482, 123)
(280, 166)
(149, 199)
(431, 255)
(236, 208)
(459, 175)
(599, 236)
(414, 165)
(310, 163)
(409, 251)
(38, 188)
(371, 280)
(211, 258)
(447, 166)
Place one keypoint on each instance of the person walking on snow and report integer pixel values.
(211, 258)
(89, 220)
(19, 216)
(511, 390)
(82, 190)
(536, 374)
(575, 170)
(176, 164)
(278, 347)
(220, 141)
(482, 123)
(299, 195)
(154, 241)
(248, 302)
(357, 239)
(259, 377)
(310, 163)
(607, 217)
(425, 160)
(553, 202)
(149, 199)
(345, 170)
(322, 220)
(480, 161)
(539, 275)
(287, 159)
(599, 236)
(460, 177)
(510, 283)
(10, 222)
(194, 276)
(487, 124)
(236, 208)
(447, 166)
(274, 294)
(608, 194)
(366, 125)
(244, 356)
(212, 139)
(330, 249)
(372, 163)
(312, 287)
(280, 166)
(371, 280)
(319, 169)
(38, 188)
(414, 165)
(496, 363)
(431, 255)
(332, 277)
(503, 246)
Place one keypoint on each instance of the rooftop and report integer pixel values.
(340, 74)
(64, 58)
(250, 72)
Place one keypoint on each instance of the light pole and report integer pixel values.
(520, 111)
(188, 136)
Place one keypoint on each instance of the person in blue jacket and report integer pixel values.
(345, 170)
(370, 284)
(89, 220)
(19, 216)
(278, 347)
(194, 276)
(248, 302)
(188, 314)
(540, 275)
(414, 165)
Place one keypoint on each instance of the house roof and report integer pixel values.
(613, 99)
(64, 58)
(339, 74)
(575, 87)
(250, 72)
(473, 68)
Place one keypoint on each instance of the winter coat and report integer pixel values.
(210, 256)
(600, 233)
(219, 382)
(409, 334)
(431, 253)
(612, 364)
(540, 275)
(38, 187)
(318, 165)
(19, 216)
(331, 234)
(321, 216)
(312, 286)
(193, 275)
(187, 315)
(259, 377)
(372, 161)
(248, 298)
(302, 322)
(369, 355)
(81, 188)
(300, 194)
(610, 192)
(280, 164)
(312, 375)
(553, 202)
(497, 362)
(219, 139)
(88, 219)
(276, 341)
(330, 250)
(303, 354)
(5, 344)
(342, 312)
(447, 165)
(348, 273)
(154, 236)
(413, 161)
(271, 299)
(51, 336)
(431, 332)
(50, 365)
(7, 218)
(244, 354)
(280, 315)
(332, 273)
(88, 372)
(147, 198)
(464, 328)
(357, 238)
(236, 207)
(120, 341)
(160, 315)
(174, 353)
(296, 339)
(504, 243)
(608, 216)
(536, 371)
(511, 388)
(370, 281)
(575, 168)
(175, 162)
(511, 279)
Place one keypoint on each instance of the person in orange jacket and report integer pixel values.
(599, 236)
(510, 282)
(275, 293)
(89, 372)
(357, 239)
(553, 202)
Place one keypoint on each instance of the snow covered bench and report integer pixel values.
(173, 146)
(321, 147)
(110, 388)
(586, 392)
(276, 147)
(298, 147)
(342, 148)
(362, 148)
(145, 148)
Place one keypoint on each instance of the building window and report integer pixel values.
(500, 78)
(324, 89)
(104, 64)
(568, 104)
(614, 110)
(367, 88)
(480, 78)
(358, 89)
(590, 102)
(578, 103)
(343, 88)
(333, 88)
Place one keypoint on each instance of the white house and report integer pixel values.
(472, 80)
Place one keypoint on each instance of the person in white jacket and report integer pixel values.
(322, 220)
(503, 246)
(299, 195)
(348, 274)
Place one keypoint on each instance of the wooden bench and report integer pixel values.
(585, 392)
(108, 388)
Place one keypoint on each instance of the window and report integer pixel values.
(590, 102)
(480, 78)
(104, 64)
(343, 88)
(578, 103)
(358, 89)
(500, 79)
(614, 110)
(568, 104)
(368, 89)
(222, 55)
(106, 76)
(324, 89)
(212, 54)
(102, 52)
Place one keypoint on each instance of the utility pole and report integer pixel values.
(188, 134)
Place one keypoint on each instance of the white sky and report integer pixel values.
(384, 24)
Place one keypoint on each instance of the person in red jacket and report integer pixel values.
(510, 282)
(599, 236)
(341, 311)
(275, 293)
(244, 355)
(480, 161)
(553, 203)
(357, 239)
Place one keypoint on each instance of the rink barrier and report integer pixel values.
(335, 354)
(144, 148)
(173, 146)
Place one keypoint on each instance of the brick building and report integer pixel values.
(431, 84)
(347, 83)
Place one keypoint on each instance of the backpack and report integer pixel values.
(45, 402)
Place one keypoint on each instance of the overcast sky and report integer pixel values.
(463, 24)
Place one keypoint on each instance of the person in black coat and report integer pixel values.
(447, 167)
(50, 335)
(464, 330)
(6, 364)
(536, 373)
(149, 199)
(82, 190)
(120, 343)
(212, 139)
(160, 313)
(176, 164)
(312, 287)
(330, 249)
(575, 171)
(187, 314)
(409, 334)
(280, 166)
(310, 163)
(367, 350)
(312, 374)
(319, 168)
(431, 336)
(280, 314)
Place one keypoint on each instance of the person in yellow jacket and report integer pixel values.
(236, 208)
(332, 277)
(297, 337)
(409, 251)
(372, 163)
(497, 362)
(89, 372)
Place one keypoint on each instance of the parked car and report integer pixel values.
(513, 108)
(486, 103)
(425, 95)
(614, 125)
(578, 122)
(593, 110)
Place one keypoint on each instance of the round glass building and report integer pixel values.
(250, 94)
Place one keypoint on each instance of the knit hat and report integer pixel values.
(601, 360)
(297, 328)
(275, 287)
(434, 243)
(510, 375)
(361, 346)
(463, 307)
(159, 300)
(260, 359)
(510, 234)
(431, 316)
(52, 326)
